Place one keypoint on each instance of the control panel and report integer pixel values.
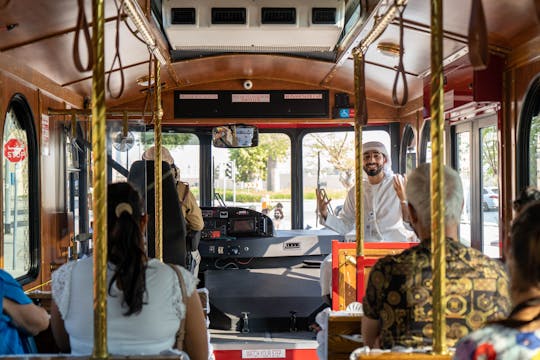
(233, 222)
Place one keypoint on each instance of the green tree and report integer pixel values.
(339, 147)
(253, 163)
(170, 140)
(490, 152)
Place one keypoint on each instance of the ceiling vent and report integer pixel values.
(282, 16)
(183, 16)
(228, 16)
(281, 26)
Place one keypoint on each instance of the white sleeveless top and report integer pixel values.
(152, 331)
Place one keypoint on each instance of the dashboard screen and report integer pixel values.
(242, 225)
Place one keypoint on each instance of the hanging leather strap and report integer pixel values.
(82, 26)
(401, 68)
(182, 329)
(478, 40)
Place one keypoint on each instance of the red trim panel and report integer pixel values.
(290, 354)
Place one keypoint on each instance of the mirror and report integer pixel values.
(235, 136)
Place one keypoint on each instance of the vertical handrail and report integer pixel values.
(360, 119)
(437, 180)
(158, 113)
(99, 183)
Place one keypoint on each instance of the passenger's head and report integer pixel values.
(150, 154)
(526, 195)
(374, 158)
(125, 243)
(523, 249)
(419, 196)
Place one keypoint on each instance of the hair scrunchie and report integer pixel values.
(123, 206)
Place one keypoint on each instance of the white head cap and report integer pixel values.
(378, 146)
(166, 156)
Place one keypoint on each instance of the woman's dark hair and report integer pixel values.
(525, 253)
(526, 195)
(525, 246)
(125, 245)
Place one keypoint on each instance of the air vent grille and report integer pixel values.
(323, 15)
(183, 16)
(228, 16)
(278, 16)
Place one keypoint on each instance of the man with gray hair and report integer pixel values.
(398, 301)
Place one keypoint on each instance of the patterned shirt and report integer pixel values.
(499, 342)
(399, 294)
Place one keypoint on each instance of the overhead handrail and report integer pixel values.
(478, 39)
(82, 25)
(400, 68)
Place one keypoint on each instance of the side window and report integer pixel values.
(534, 148)
(528, 165)
(408, 151)
(20, 192)
(425, 143)
(258, 178)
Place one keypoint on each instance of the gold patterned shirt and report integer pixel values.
(399, 289)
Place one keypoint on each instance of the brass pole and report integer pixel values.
(99, 183)
(158, 113)
(360, 118)
(437, 180)
(359, 191)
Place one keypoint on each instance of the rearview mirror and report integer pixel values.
(235, 136)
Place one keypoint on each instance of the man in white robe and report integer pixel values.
(385, 206)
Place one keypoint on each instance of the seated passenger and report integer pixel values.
(517, 336)
(17, 314)
(190, 209)
(398, 302)
(526, 196)
(144, 304)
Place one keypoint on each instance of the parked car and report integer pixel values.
(490, 198)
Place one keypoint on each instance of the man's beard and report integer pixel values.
(373, 172)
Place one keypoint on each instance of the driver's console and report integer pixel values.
(233, 222)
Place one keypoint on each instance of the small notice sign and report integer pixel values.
(45, 135)
(264, 354)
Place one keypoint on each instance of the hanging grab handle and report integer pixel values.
(82, 25)
(478, 41)
(400, 68)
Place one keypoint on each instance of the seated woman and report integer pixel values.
(518, 336)
(17, 314)
(144, 302)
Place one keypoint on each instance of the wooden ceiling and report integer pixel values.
(44, 40)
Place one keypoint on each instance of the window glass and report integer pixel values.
(328, 162)
(425, 145)
(534, 150)
(464, 170)
(184, 148)
(16, 194)
(489, 157)
(258, 178)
